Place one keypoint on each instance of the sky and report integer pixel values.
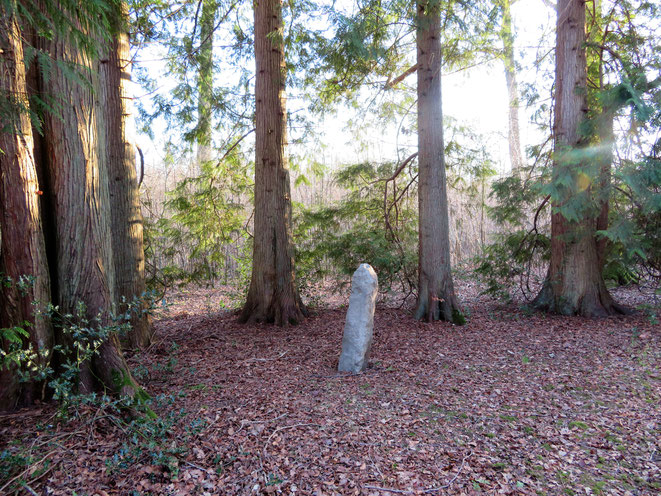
(475, 97)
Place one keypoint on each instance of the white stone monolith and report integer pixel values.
(359, 325)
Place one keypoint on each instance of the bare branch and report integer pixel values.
(142, 166)
(391, 84)
(551, 5)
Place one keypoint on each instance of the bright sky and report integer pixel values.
(476, 97)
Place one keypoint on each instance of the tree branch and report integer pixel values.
(142, 166)
(390, 84)
(550, 4)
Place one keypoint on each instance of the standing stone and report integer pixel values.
(359, 326)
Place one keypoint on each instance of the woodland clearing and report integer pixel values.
(511, 403)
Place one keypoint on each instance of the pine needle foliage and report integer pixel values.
(83, 25)
(623, 95)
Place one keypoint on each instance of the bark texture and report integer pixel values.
(436, 298)
(574, 284)
(22, 250)
(127, 223)
(78, 177)
(273, 296)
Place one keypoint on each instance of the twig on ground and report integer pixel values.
(246, 422)
(194, 465)
(369, 452)
(41, 476)
(31, 467)
(389, 490)
(434, 489)
(265, 359)
(280, 429)
(425, 491)
(29, 489)
(156, 343)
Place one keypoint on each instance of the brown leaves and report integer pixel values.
(508, 404)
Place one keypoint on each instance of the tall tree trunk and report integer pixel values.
(127, 223)
(273, 296)
(436, 298)
(605, 116)
(574, 284)
(78, 177)
(205, 81)
(23, 251)
(606, 142)
(507, 37)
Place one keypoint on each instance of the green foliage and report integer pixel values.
(79, 342)
(509, 259)
(83, 26)
(192, 64)
(376, 219)
(17, 353)
(201, 235)
(635, 232)
(149, 438)
(332, 240)
(617, 162)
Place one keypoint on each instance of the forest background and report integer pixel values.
(240, 191)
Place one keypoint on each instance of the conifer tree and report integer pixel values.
(436, 298)
(25, 281)
(574, 283)
(125, 209)
(273, 295)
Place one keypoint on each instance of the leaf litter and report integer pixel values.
(511, 403)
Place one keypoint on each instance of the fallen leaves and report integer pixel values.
(508, 404)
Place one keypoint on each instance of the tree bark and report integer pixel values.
(604, 129)
(436, 298)
(22, 250)
(125, 210)
(78, 177)
(507, 37)
(205, 81)
(574, 284)
(606, 138)
(273, 295)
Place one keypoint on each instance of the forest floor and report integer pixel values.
(511, 403)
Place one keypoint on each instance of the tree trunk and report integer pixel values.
(23, 250)
(605, 116)
(78, 177)
(605, 157)
(507, 37)
(574, 284)
(436, 298)
(127, 223)
(205, 81)
(273, 296)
